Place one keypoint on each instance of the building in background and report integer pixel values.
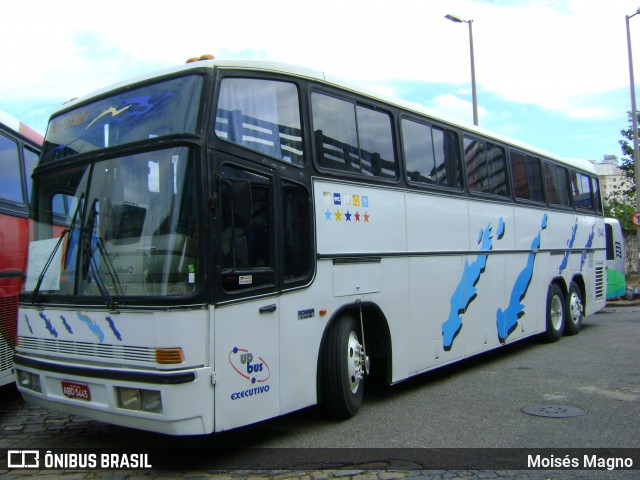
(611, 177)
(612, 183)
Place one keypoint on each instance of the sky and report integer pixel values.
(551, 73)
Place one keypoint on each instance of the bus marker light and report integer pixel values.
(169, 355)
(322, 312)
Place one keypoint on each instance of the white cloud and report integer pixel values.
(553, 54)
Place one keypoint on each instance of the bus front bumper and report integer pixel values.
(178, 402)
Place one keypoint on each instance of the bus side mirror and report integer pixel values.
(242, 204)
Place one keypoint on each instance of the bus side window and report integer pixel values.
(527, 177)
(595, 188)
(486, 167)
(581, 189)
(10, 180)
(557, 183)
(432, 155)
(30, 162)
(296, 222)
(246, 250)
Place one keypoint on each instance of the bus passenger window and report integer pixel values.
(581, 188)
(334, 124)
(262, 115)
(418, 152)
(377, 157)
(352, 138)
(11, 180)
(296, 222)
(527, 177)
(30, 162)
(557, 184)
(432, 155)
(245, 250)
(596, 194)
(486, 168)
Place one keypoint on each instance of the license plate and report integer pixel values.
(76, 390)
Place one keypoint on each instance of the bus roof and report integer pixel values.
(322, 77)
(16, 125)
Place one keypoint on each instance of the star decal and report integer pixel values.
(348, 216)
(338, 216)
(327, 214)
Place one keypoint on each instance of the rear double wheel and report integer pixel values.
(575, 310)
(342, 369)
(556, 313)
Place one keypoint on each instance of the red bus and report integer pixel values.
(19, 150)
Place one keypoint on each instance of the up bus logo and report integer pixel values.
(248, 366)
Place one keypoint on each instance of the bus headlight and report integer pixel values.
(30, 381)
(139, 399)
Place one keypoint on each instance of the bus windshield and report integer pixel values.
(165, 108)
(130, 228)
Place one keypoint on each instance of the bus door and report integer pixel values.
(247, 315)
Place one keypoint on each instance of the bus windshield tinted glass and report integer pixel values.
(134, 234)
(165, 108)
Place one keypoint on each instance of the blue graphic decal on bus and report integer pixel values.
(466, 291)
(589, 244)
(112, 325)
(507, 319)
(93, 326)
(66, 324)
(565, 258)
(28, 325)
(48, 325)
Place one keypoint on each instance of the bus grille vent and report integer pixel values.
(600, 283)
(8, 331)
(91, 351)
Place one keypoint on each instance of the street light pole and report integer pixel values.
(634, 121)
(474, 97)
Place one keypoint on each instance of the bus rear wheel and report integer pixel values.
(575, 310)
(342, 369)
(556, 313)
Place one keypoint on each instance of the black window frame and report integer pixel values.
(240, 75)
(528, 160)
(461, 176)
(489, 144)
(567, 170)
(362, 103)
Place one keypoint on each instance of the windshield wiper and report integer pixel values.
(89, 261)
(65, 232)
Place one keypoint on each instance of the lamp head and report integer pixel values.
(457, 19)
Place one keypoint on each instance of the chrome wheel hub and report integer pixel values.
(355, 362)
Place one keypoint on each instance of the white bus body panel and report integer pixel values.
(247, 361)
(121, 342)
(443, 296)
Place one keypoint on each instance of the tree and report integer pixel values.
(622, 205)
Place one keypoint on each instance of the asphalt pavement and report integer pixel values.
(477, 406)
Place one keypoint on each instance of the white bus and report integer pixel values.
(249, 239)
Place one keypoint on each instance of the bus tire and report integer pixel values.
(575, 310)
(556, 313)
(342, 374)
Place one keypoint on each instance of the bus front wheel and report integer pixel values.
(556, 313)
(343, 366)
